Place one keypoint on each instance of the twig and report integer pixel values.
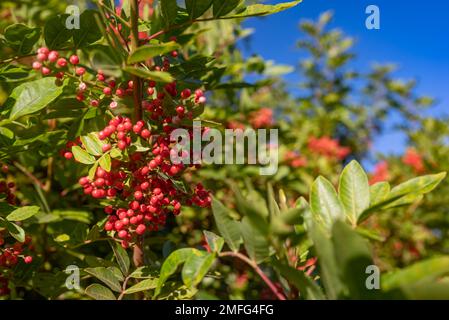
(32, 177)
(256, 268)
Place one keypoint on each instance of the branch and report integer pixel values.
(256, 268)
(137, 83)
(31, 176)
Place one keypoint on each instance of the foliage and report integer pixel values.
(87, 180)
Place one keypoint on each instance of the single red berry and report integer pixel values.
(140, 229)
(80, 71)
(74, 59)
(106, 147)
(28, 259)
(53, 56)
(145, 133)
(62, 62)
(68, 155)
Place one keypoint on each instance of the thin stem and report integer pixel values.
(31, 176)
(120, 297)
(256, 268)
(137, 83)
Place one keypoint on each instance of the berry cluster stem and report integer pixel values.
(137, 83)
(138, 255)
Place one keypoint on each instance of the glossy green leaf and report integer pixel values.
(23, 213)
(121, 256)
(256, 243)
(106, 276)
(21, 38)
(144, 285)
(105, 162)
(82, 155)
(196, 267)
(325, 203)
(171, 264)
(150, 51)
(418, 185)
(159, 76)
(222, 8)
(169, 10)
(353, 256)
(196, 8)
(56, 33)
(354, 191)
(99, 292)
(262, 9)
(228, 227)
(89, 32)
(214, 241)
(32, 96)
(379, 192)
(92, 144)
(425, 270)
(14, 230)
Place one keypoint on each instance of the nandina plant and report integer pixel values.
(89, 113)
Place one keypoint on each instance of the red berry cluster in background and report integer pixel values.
(140, 185)
(413, 159)
(381, 173)
(10, 255)
(7, 188)
(328, 147)
(262, 118)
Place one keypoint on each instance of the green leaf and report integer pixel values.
(273, 207)
(82, 156)
(353, 256)
(159, 76)
(379, 192)
(171, 264)
(99, 292)
(150, 51)
(105, 162)
(262, 9)
(324, 251)
(169, 10)
(228, 227)
(354, 191)
(23, 213)
(427, 270)
(21, 38)
(89, 32)
(196, 267)
(256, 243)
(214, 241)
(222, 8)
(144, 272)
(32, 96)
(308, 289)
(56, 33)
(106, 276)
(121, 256)
(418, 185)
(92, 144)
(144, 285)
(196, 8)
(325, 204)
(14, 230)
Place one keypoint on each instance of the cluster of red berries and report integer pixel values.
(413, 159)
(381, 173)
(328, 147)
(10, 255)
(262, 118)
(295, 160)
(49, 62)
(139, 186)
(7, 188)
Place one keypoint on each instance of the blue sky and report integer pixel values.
(414, 35)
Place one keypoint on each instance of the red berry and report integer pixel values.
(28, 259)
(53, 56)
(140, 229)
(145, 133)
(80, 71)
(68, 155)
(74, 59)
(107, 91)
(106, 147)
